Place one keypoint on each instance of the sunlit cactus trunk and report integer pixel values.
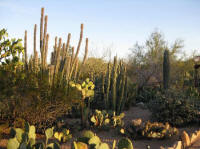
(114, 83)
(108, 86)
(25, 50)
(122, 88)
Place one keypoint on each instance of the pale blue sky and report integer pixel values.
(115, 24)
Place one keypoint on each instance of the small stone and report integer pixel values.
(137, 122)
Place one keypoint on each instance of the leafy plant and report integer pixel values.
(10, 49)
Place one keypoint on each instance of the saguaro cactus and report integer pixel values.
(166, 70)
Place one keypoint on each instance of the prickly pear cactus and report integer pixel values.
(100, 118)
(19, 133)
(86, 88)
(13, 143)
(86, 136)
(63, 136)
(53, 146)
(49, 132)
(158, 130)
(103, 146)
(94, 141)
(125, 143)
(79, 145)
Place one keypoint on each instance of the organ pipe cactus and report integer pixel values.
(116, 86)
(114, 83)
(65, 64)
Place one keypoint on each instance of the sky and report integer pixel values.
(109, 24)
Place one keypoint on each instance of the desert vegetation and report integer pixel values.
(67, 101)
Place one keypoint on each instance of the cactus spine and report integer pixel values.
(166, 70)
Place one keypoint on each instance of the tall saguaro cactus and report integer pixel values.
(166, 70)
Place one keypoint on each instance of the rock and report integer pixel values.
(137, 122)
(185, 139)
(141, 105)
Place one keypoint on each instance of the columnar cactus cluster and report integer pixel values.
(115, 86)
(64, 61)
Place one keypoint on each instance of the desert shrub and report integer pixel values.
(175, 108)
(146, 94)
(27, 96)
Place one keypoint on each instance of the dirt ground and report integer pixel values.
(144, 114)
(133, 113)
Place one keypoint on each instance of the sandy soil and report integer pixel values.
(133, 113)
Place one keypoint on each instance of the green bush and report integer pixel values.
(174, 108)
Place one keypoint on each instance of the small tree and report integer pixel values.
(166, 70)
